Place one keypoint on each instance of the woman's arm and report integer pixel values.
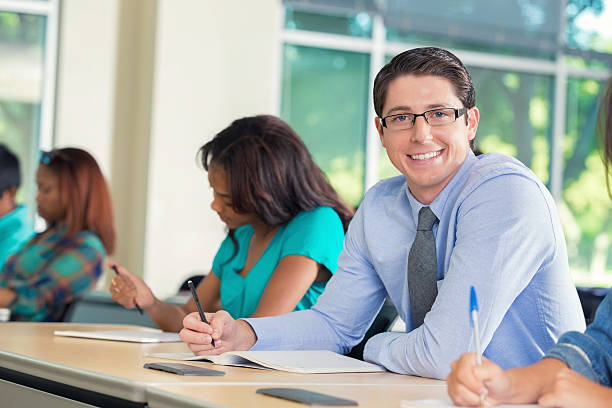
(127, 288)
(572, 390)
(7, 296)
(289, 282)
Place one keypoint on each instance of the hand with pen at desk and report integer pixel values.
(228, 334)
(130, 291)
(549, 382)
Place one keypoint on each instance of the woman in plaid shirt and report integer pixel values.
(55, 266)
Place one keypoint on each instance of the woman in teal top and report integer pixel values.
(286, 228)
(316, 234)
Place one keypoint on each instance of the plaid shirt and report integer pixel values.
(48, 272)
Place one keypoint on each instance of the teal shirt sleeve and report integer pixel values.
(317, 234)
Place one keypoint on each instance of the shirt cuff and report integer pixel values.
(575, 358)
(268, 335)
(376, 349)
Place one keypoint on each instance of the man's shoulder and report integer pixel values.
(391, 186)
(492, 165)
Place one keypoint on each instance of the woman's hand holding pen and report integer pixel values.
(129, 290)
(229, 334)
(468, 380)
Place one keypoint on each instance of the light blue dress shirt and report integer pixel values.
(498, 231)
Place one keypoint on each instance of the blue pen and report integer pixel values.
(474, 324)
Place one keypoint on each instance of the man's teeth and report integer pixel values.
(425, 156)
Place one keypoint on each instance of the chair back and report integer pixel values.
(382, 323)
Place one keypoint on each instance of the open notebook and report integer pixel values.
(134, 336)
(297, 361)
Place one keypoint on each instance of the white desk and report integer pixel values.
(90, 371)
(227, 395)
(40, 369)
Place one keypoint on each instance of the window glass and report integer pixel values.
(21, 76)
(589, 25)
(325, 99)
(354, 24)
(515, 116)
(526, 28)
(585, 207)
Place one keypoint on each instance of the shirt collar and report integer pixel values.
(439, 203)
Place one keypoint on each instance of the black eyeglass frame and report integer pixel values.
(458, 113)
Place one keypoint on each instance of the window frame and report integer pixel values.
(49, 9)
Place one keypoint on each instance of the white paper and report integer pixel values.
(134, 336)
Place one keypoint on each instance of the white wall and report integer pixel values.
(86, 77)
(144, 113)
(215, 62)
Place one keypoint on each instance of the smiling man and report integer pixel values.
(450, 221)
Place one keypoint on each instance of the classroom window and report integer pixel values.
(22, 38)
(585, 206)
(515, 116)
(519, 68)
(325, 100)
(358, 24)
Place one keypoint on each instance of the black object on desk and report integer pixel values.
(194, 294)
(184, 369)
(306, 397)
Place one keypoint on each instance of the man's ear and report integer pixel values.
(473, 119)
(379, 129)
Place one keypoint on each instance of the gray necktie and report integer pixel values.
(422, 268)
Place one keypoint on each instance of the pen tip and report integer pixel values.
(473, 301)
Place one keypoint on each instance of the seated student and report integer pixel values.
(494, 226)
(576, 372)
(55, 266)
(15, 227)
(286, 227)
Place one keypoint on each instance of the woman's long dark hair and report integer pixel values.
(83, 193)
(270, 171)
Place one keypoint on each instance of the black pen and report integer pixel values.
(133, 300)
(199, 306)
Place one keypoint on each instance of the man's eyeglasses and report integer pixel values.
(434, 117)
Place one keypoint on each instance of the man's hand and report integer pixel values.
(229, 334)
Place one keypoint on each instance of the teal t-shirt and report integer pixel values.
(316, 234)
(15, 230)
